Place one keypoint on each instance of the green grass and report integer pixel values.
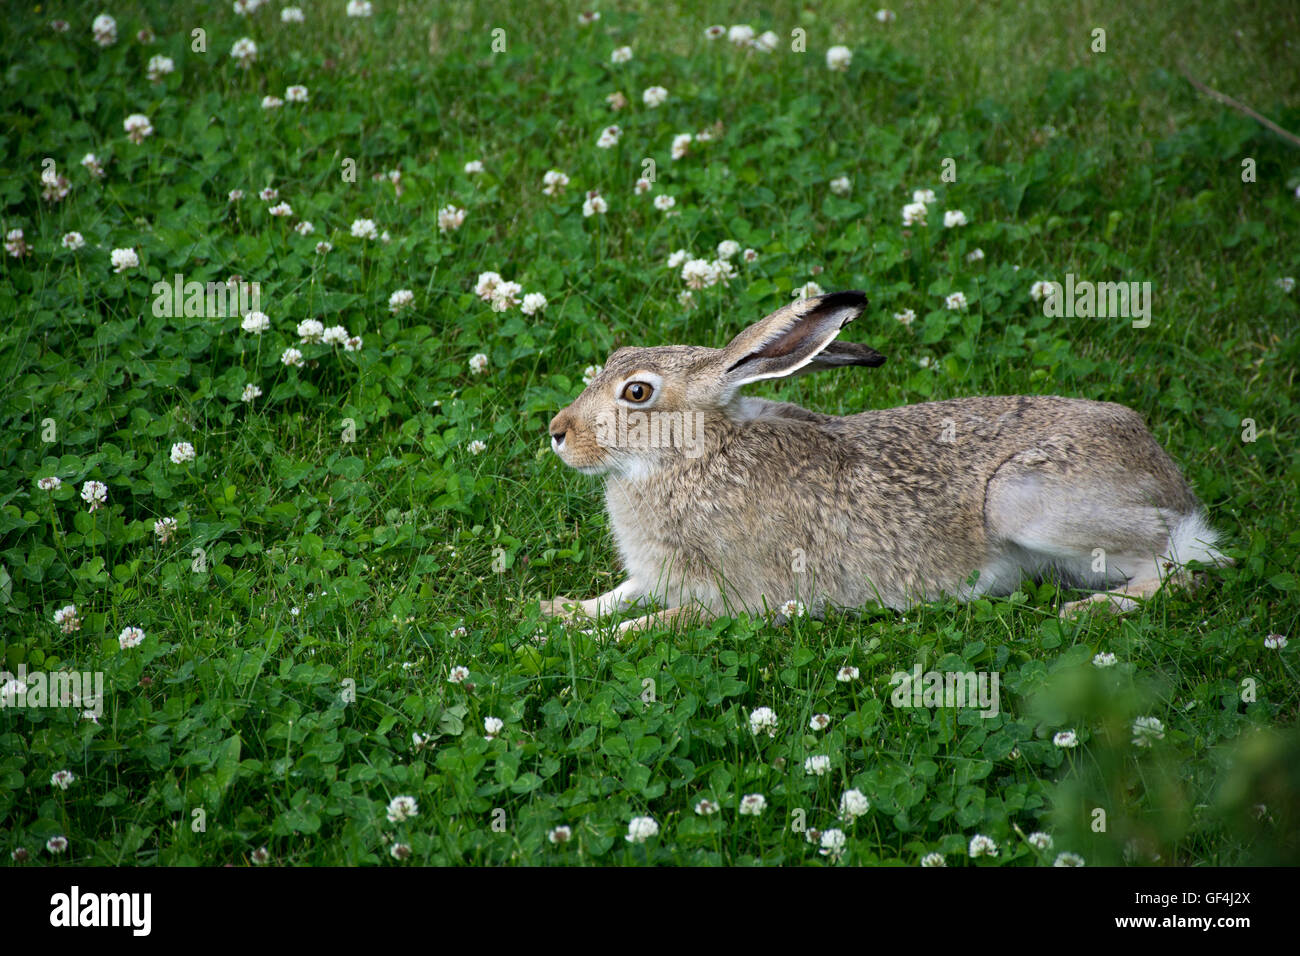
(287, 665)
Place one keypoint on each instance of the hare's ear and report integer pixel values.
(789, 338)
(843, 355)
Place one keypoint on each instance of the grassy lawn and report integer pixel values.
(335, 557)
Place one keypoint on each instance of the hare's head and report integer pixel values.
(650, 405)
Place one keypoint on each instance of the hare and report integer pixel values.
(721, 502)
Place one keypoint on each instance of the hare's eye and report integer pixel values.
(637, 392)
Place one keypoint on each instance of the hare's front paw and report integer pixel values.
(565, 607)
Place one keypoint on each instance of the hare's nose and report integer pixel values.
(558, 428)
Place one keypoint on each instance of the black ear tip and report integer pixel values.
(852, 299)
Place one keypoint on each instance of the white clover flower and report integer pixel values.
(664, 202)
(925, 361)
(255, 323)
(1146, 730)
(304, 228)
(364, 229)
(588, 17)
(841, 186)
(621, 55)
(92, 165)
(706, 807)
(1066, 739)
(906, 317)
(924, 196)
(699, 274)
(728, 249)
(1286, 283)
(953, 218)
(353, 344)
(269, 194)
(450, 218)
(980, 845)
(244, 51)
(914, 214)
(291, 356)
(594, 205)
(402, 808)
(137, 127)
(359, 8)
(808, 290)
(975, 255)
(641, 829)
(838, 58)
(478, 363)
(792, 609)
(250, 392)
(533, 303)
(130, 637)
(73, 241)
(741, 35)
(476, 447)
(311, 330)
(723, 270)
(104, 29)
(1275, 642)
(400, 851)
(715, 32)
(68, 619)
(885, 16)
(553, 182)
(686, 299)
(819, 721)
(847, 674)
(235, 195)
(492, 726)
(766, 42)
(260, 857)
(1041, 289)
(681, 145)
(296, 94)
(486, 284)
(159, 66)
(616, 100)
(292, 15)
(62, 779)
(560, 835)
(506, 296)
(933, 859)
(458, 675)
(955, 301)
(1068, 859)
(750, 256)
(323, 247)
(399, 300)
(15, 245)
(57, 844)
(50, 483)
(1104, 659)
(832, 843)
(654, 96)
(281, 209)
(763, 719)
(678, 258)
(590, 372)
(182, 452)
(752, 804)
(818, 765)
(1040, 841)
(474, 167)
(94, 493)
(609, 137)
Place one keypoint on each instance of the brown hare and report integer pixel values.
(721, 502)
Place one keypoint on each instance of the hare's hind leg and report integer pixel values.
(1095, 533)
(625, 595)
